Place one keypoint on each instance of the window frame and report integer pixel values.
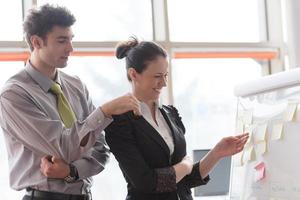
(270, 53)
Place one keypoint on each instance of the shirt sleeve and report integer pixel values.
(25, 121)
(94, 161)
(120, 138)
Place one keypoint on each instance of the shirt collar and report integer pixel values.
(43, 81)
(158, 105)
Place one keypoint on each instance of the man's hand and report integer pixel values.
(121, 105)
(53, 167)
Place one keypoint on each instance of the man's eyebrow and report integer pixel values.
(65, 37)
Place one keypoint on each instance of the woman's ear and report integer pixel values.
(132, 74)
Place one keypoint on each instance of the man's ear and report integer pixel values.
(36, 41)
(132, 73)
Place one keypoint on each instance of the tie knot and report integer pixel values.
(55, 88)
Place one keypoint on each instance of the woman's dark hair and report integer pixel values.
(41, 21)
(139, 54)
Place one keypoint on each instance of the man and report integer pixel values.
(44, 111)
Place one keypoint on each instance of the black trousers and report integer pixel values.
(37, 198)
(34, 198)
(32, 194)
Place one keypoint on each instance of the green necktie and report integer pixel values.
(64, 109)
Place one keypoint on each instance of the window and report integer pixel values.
(204, 96)
(112, 20)
(11, 29)
(215, 20)
(105, 77)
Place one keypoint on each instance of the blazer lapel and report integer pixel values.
(170, 121)
(142, 124)
(168, 117)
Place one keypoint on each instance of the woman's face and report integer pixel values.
(149, 83)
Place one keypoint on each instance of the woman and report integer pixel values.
(151, 148)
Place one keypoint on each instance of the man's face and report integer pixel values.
(56, 47)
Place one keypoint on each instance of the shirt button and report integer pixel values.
(99, 121)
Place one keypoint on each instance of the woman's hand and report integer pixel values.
(229, 146)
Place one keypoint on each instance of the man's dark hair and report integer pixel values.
(41, 21)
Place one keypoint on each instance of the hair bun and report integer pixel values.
(124, 47)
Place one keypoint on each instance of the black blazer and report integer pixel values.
(145, 160)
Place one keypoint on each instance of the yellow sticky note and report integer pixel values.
(277, 131)
(247, 116)
(289, 113)
(250, 139)
(261, 148)
(249, 154)
(260, 133)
